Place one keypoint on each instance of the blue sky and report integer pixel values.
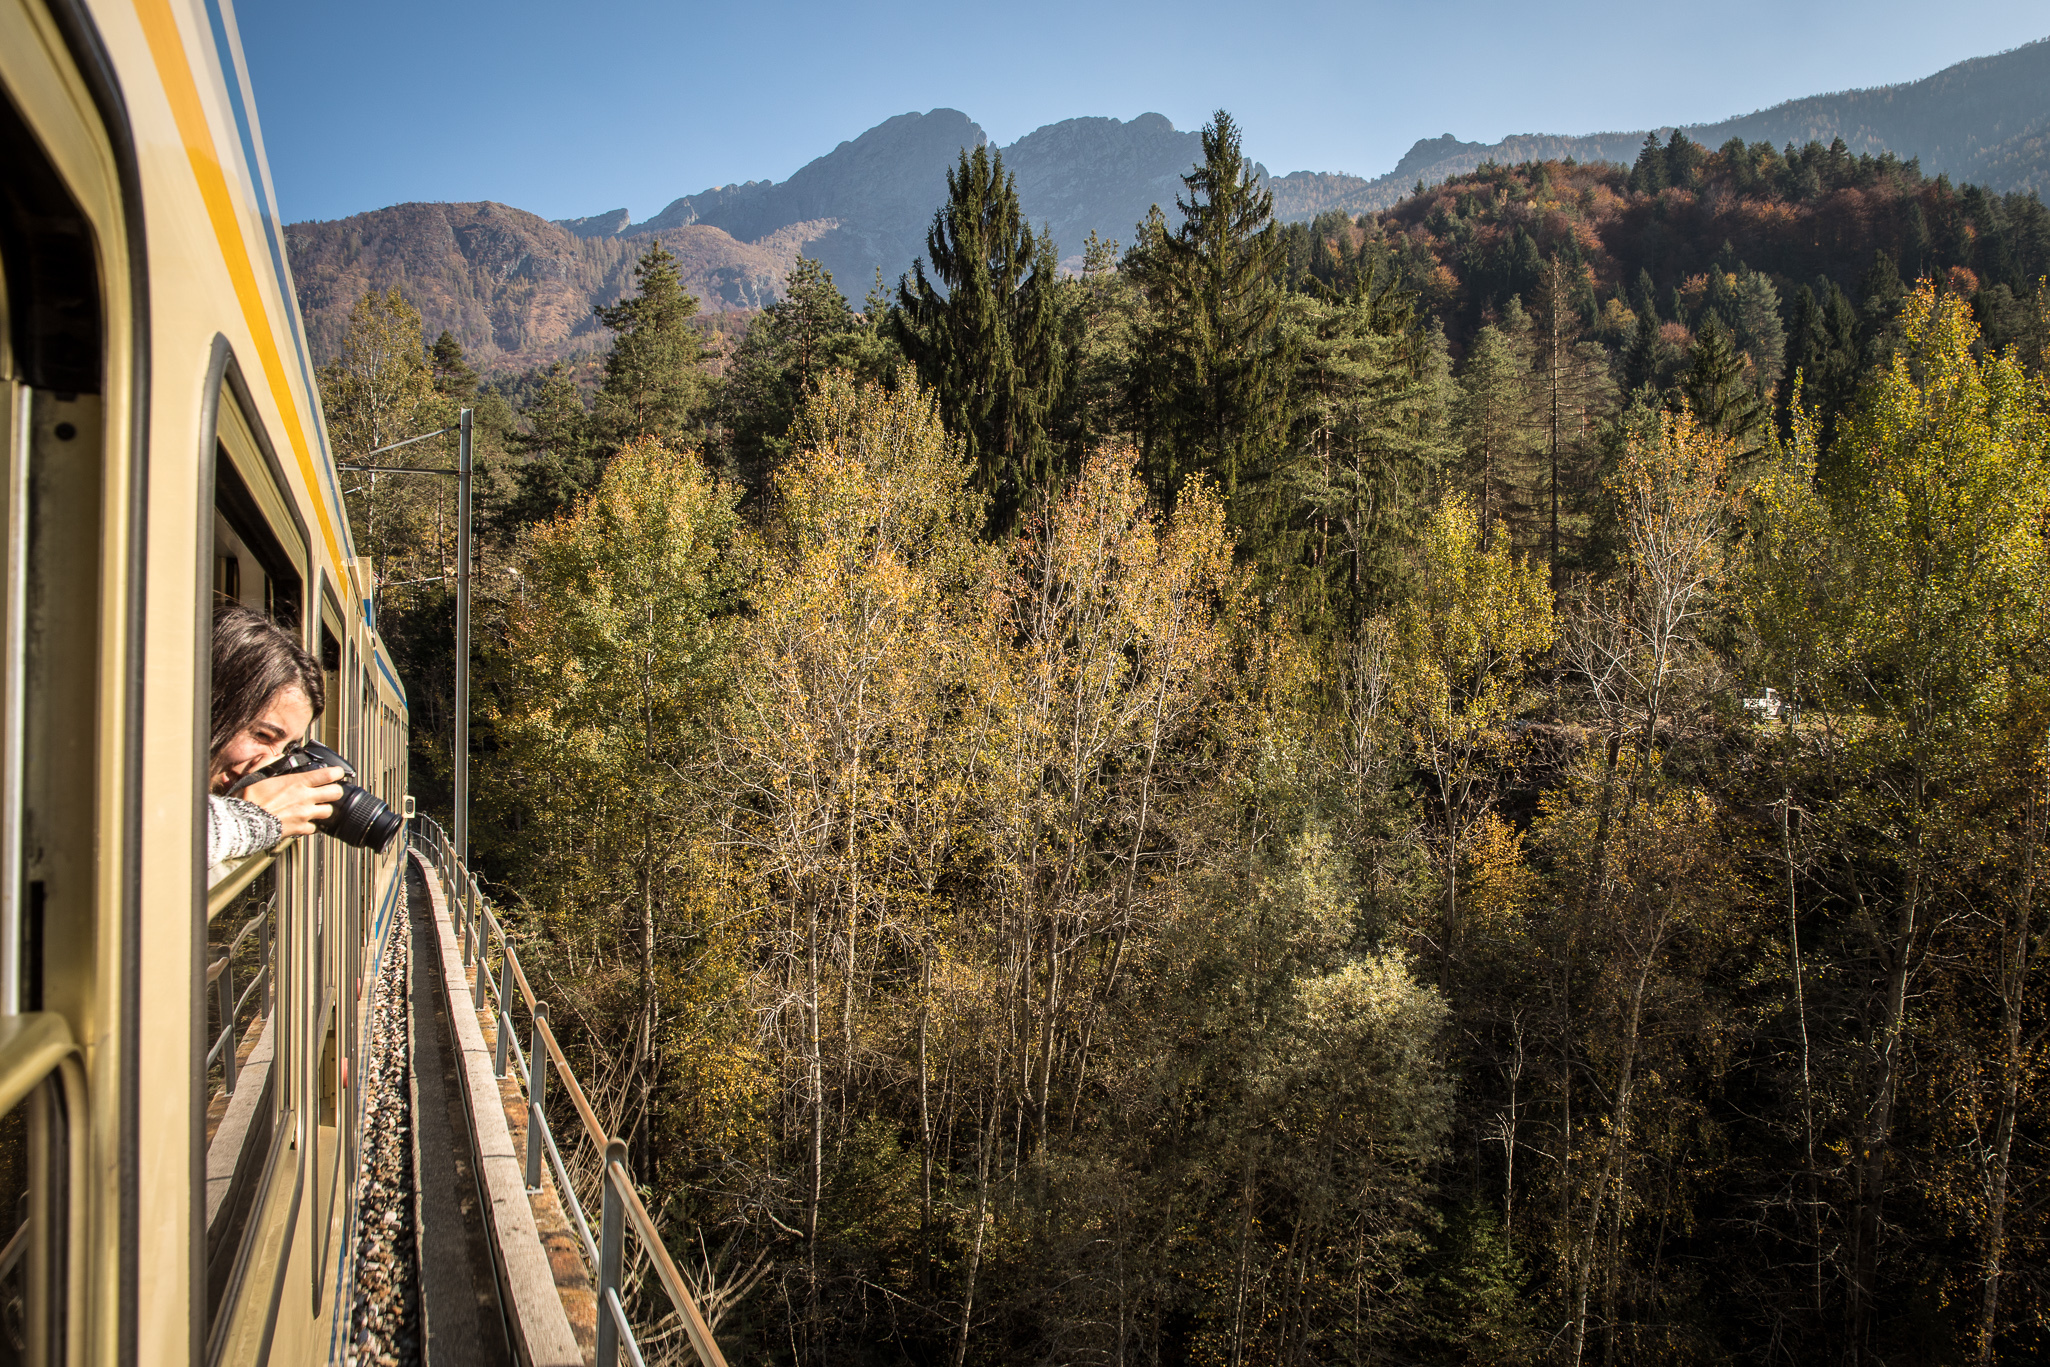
(567, 110)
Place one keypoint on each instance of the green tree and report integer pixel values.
(1215, 381)
(788, 348)
(985, 334)
(559, 454)
(1902, 582)
(1497, 424)
(1329, 528)
(1722, 396)
(653, 385)
(615, 654)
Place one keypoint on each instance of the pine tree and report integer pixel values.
(1722, 396)
(454, 378)
(1641, 360)
(1644, 297)
(788, 347)
(1339, 514)
(1824, 354)
(1219, 382)
(653, 385)
(1648, 176)
(560, 457)
(1496, 422)
(985, 332)
(1683, 161)
(1759, 331)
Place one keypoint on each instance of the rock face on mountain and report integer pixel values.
(515, 289)
(1099, 175)
(880, 189)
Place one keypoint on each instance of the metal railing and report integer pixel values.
(622, 1206)
(220, 976)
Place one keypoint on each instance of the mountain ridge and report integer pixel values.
(517, 290)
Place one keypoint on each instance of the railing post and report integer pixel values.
(227, 987)
(505, 1022)
(611, 1237)
(537, 1096)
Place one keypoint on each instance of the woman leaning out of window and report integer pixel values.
(266, 693)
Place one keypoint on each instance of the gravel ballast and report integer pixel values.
(385, 1320)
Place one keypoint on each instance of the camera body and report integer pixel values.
(357, 818)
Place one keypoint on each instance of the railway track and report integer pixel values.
(427, 1292)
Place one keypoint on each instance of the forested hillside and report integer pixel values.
(1986, 120)
(1459, 785)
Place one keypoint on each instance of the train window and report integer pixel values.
(242, 1038)
(33, 1168)
(245, 1008)
(251, 565)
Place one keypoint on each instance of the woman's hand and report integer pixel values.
(298, 800)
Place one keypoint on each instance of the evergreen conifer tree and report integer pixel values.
(984, 331)
(788, 347)
(1219, 377)
(1330, 525)
(1644, 297)
(1683, 161)
(1723, 398)
(560, 454)
(1759, 332)
(1496, 424)
(653, 386)
(454, 378)
(1648, 176)
(1642, 369)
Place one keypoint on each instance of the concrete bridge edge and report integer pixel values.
(540, 1326)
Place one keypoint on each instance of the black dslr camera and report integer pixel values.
(356, 818)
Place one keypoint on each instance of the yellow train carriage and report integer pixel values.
(176, 1065)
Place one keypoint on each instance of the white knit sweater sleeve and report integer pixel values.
(236, 829)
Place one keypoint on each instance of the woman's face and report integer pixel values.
(263, 740)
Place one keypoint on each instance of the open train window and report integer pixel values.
(251, 566)
(253, 932)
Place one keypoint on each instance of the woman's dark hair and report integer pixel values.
(254, 661)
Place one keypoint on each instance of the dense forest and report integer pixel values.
(1466, 785)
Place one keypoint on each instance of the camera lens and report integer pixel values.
(360, 819)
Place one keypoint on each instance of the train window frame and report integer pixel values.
(324, 1093)
(73, 365)
(240, 469)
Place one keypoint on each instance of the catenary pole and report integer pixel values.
(462, 755)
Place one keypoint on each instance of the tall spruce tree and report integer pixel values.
(1496, 424)
(559, 449)
(984, 332)
(1723, 398)
(653, 384)
(1218, 373)
(788, 347)
(1332, 526)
